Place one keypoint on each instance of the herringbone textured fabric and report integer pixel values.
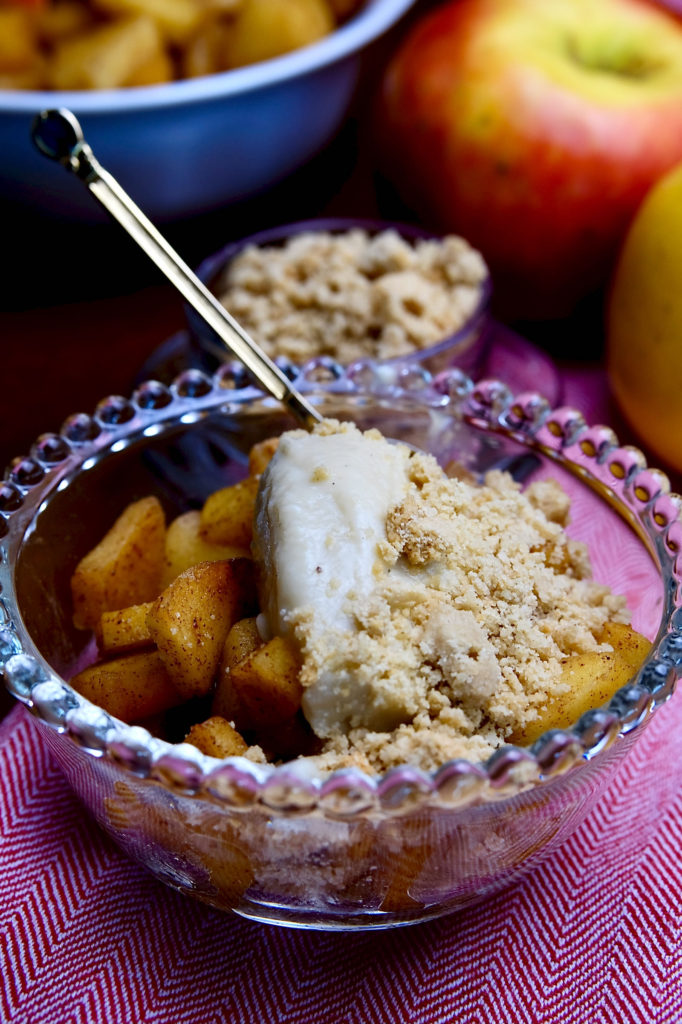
(594, 936)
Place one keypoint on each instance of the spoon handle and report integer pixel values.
(58, 135)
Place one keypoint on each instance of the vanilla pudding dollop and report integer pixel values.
(321, 539)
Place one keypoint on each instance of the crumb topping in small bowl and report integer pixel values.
(353, 295)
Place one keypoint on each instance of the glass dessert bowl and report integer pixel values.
(286, 843)
(317, 290)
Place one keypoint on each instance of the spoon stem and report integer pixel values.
(71, 150)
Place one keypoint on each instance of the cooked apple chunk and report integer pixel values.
(242, 640)
(217, 737)
(191, 619)
(133, 687)
(227, 515)
(186, 547)
(125, 568)
(267, 683)
(124, 630)
(593, 678)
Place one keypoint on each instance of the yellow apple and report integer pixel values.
(644, 322)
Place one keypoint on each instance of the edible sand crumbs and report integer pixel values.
(352, 295)
(466, 642)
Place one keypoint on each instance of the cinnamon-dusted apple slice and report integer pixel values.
(191, 619)
(124, 568)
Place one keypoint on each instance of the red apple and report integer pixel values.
(534, 128)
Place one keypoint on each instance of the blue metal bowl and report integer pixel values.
(190, 146)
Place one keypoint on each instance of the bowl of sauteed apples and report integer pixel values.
(193, 103)
(351, 677)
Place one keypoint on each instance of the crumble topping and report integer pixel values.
(353, 295)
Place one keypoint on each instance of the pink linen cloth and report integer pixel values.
(593, 935)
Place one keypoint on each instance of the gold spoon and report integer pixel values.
(58, 135)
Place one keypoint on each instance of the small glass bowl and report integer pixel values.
(288, 844)
(466, 348)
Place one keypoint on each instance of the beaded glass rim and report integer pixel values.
(639, 494)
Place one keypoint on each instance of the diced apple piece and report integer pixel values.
(154, 71)
(217, 738)
(105, 56)
(125, 629)
(227, 516)
(268, 28)
(203, 54)
(593, 678)
(186, 547)
(177, 20)
(18, 48)
(59, 21)
(133, 687)
(125, 568)
(242, 640)
(629, 645)
(267, 683)
(190, 621)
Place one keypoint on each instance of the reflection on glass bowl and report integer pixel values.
(285, 844)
